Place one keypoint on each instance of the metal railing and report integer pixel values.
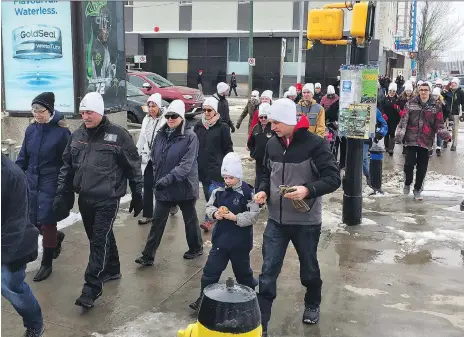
(10, 149)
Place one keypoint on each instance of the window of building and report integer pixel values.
(244, 2)
(185, 3)
(129, 3)
(291, 54)
(238, 50)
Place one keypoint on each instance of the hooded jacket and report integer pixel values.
(150, 126)
(315, 114)
(306, 161)
(98, 162)
(174, 156)
(455, 100)
(420, 123)
(19, 235)
(41, 159)
(214, 144)
(257, 142)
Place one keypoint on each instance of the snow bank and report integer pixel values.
(414, 240)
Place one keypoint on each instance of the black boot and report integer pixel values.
(60, 238)
(46, 266)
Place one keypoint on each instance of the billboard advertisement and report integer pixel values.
(104, 53)
(37, 53)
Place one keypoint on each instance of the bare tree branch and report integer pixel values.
(433, 34)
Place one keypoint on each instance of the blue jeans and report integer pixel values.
(18, 293)
(439, 141)
(305, 239)
(366, 160)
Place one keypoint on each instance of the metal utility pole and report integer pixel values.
(300, 43)
(250, 51)
(414, 32)
(352, 196)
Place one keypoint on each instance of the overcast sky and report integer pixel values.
(458, 13)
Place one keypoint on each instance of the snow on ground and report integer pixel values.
(435, 185)
(414, 240)
(365, 291)
(158, 324)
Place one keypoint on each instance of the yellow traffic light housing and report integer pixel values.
(325, 24)
(359, 19)
(309, 45)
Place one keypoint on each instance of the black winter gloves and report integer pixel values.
(136, 204)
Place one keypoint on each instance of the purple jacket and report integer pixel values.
(420, 123)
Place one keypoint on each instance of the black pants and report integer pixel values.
(218, 259)
(148, 185)
(234, 89)
(259, 172)
(160, 217)
(416, 157)
(305, 239)
(98, 219)
(341, 141)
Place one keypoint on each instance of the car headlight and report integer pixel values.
(187, 96)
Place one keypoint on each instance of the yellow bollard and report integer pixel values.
(226, 310)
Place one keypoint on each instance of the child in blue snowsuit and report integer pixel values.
(232, 237)
(381, 130)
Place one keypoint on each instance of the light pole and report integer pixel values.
(414, 32)
(250, 51)
(300, 43)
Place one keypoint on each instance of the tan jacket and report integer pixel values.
(315, 114)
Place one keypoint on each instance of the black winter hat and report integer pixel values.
(47, 100)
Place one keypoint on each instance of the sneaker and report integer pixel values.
(191, 254)
(144, 221)
(195, 305)
(60, 238)
(406, 189)
(462, 206)
(174, 210)
(453, 148)
(145, 261)
(438, 151)
(418, 195)
(206, 225)
(110, 277)
(85, 301)
(311, 315)
(34, 333)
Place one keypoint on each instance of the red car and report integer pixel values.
(151, 83)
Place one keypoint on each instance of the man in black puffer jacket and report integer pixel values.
(97, 162)
(223, 105)
(19, 246)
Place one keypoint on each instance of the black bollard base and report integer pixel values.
(352, 210)
(352, 197)
(375, 171)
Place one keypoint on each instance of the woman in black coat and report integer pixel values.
(390, 107)
(214, 142)
(40, 158)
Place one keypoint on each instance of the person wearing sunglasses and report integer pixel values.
(391, 110)
(174, 156)
(423, 119)
(258, 140)
(40, 158)
(215, 142)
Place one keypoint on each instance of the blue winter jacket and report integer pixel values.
(41, 159)
(382, 126)
(174, 156)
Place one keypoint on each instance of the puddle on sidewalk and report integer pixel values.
(443, 256)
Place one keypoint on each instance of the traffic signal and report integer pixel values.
(325, 24)
(359, 19)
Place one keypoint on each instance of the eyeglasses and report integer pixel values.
(262, 117)
(175, 116)
(208, 110)
(38, 112)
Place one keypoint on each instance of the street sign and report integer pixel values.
(140, 59)
(252, 61)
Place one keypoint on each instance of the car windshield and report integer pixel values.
(132, 90)
(160, 81)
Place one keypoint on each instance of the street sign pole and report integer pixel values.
(250, 51)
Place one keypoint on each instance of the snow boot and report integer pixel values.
(311, 315)
(145, 261)
(391, 146)
(85, 301)
(60, 237)
(418, 195)
(46, 265)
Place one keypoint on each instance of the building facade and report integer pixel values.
(181, 37)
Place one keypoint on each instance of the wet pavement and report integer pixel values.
(400, 273)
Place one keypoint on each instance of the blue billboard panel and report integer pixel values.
(37, 53)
